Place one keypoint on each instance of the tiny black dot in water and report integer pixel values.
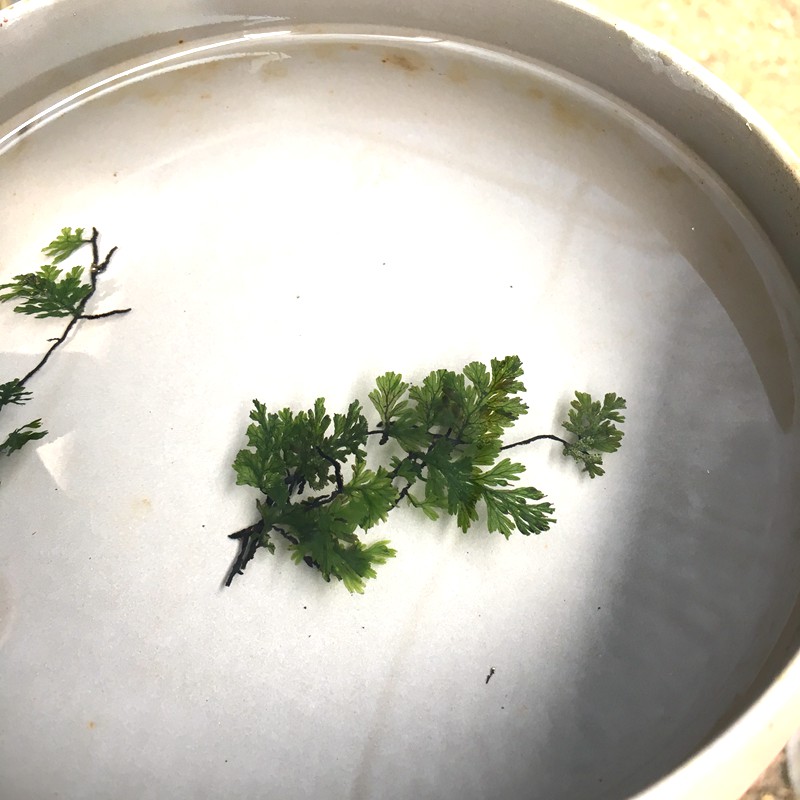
(502, 708)
(305, 606)
(598, 608)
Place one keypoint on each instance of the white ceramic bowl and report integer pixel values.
(306, 194)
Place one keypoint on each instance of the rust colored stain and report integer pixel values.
(326, 50)
(669, 173)
(567, 114)
(18, 148)
(273, 69)
(535, 93)
(457, 72)
(166, 87)
(404, 59)
(141, 506)
(91, 725)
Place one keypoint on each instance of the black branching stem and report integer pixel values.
(384, 434)
(538, 438)
(105, 314)
(337, 469)
(250, 540)
(96, 269)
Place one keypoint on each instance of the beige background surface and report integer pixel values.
(753, 45)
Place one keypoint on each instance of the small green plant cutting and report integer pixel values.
(445, 456)
(52, 292)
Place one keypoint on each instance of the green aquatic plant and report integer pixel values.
(320, 495)
(52, 292)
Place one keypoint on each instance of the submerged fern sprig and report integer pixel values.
(318, 493)
(50, 292)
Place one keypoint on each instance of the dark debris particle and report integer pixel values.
(489, 676)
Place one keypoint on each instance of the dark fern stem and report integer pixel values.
(96, 269)
(538, 438)
(250, 539)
